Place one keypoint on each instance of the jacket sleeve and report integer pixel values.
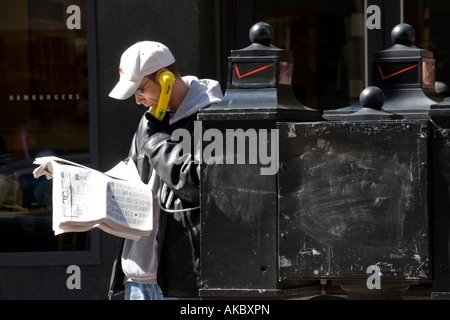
(175, 165)
(135, 152)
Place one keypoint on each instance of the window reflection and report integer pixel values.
(327, 42)
(45, 111)
(431, 24)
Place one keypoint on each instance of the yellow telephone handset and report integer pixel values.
(166, 80)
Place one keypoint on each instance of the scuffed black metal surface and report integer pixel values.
(353, 195)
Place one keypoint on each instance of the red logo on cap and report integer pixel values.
(120, 69)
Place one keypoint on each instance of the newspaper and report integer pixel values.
(115, 201)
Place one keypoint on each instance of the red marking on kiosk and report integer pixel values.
(251, 72)
(395, 73)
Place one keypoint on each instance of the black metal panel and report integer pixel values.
(238, 213)
(353, 195)
(440, 198)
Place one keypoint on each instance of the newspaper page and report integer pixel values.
(84, 198)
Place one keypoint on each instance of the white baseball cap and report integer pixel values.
(141, 59)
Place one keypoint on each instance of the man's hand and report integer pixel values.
(154, 125)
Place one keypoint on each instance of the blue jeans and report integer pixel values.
(140, 291)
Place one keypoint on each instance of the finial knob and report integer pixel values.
(261, 33)
(372, 97)
(404, 34)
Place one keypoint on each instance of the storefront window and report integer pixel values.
(429, 18)
(44, 111)
(327, 41)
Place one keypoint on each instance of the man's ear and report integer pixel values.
(158, 73)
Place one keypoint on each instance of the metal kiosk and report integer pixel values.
(360, 200)
(239, 188)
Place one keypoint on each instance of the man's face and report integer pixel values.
(151, 92)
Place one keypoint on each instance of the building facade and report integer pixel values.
(60, 60)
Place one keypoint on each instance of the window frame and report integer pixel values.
(78, 257)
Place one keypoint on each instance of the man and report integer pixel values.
(166, 263)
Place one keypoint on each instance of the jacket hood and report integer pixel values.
(203, 93)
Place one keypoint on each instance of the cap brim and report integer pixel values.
(124, 89)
